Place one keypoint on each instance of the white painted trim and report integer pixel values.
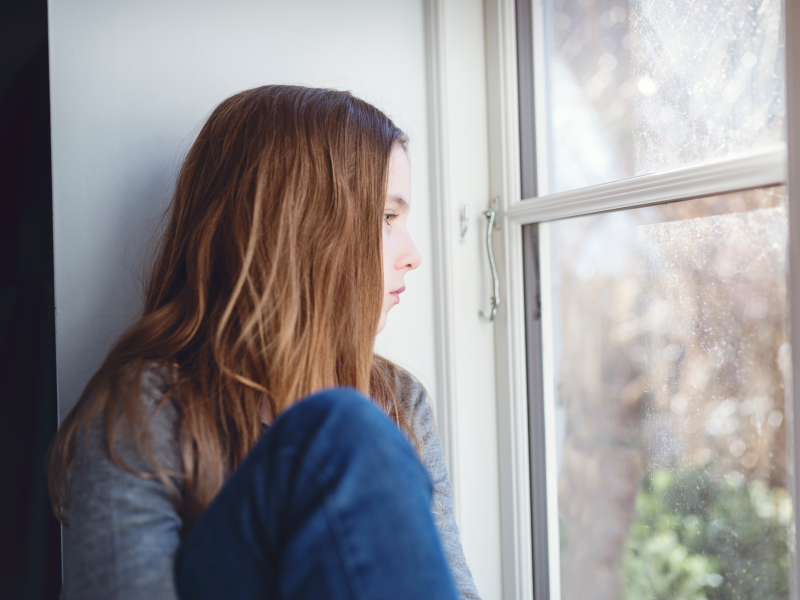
(510, 365)
(792, 23)
(549, 397)
(754, 170)
(445, 405)
(513, 424)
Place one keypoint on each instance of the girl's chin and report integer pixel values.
(382, 322)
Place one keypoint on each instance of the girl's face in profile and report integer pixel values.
(399, 253)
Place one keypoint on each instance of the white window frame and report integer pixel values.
(744, 172)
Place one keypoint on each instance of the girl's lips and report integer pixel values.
(396, 294)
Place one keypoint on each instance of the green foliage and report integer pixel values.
(700, 538)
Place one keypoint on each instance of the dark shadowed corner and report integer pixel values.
(30, 557)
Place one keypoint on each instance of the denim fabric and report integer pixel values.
(331, 503)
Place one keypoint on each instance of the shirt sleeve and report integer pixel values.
(124, 530)
(433, 459)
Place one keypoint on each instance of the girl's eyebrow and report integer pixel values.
(398, 201)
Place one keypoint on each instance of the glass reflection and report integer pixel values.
(671, 356)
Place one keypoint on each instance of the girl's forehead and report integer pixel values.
(398, 193)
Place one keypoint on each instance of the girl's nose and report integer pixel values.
(412, 256)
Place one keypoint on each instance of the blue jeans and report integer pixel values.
(331, 503)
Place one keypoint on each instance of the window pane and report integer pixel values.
(635, 87)
(671, 358)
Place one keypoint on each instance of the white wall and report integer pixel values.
(130, 84)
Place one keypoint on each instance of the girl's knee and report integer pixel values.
(345, 422)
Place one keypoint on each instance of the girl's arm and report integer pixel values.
(123, 529)
(433, 458)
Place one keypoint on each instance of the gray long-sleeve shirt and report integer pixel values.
(124, 530)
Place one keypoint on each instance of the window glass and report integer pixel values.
(634, 87)
(670, 349)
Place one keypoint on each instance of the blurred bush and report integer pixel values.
(697, 537)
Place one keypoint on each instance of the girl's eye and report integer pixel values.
(389, 217)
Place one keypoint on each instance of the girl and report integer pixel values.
(225, 447)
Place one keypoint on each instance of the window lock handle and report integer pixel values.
(491, 216)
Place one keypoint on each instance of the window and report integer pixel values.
(630, 88)
(669, 348)
(646, 259)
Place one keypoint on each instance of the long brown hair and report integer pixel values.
(267, 283)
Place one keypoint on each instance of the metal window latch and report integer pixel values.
(491, 215)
